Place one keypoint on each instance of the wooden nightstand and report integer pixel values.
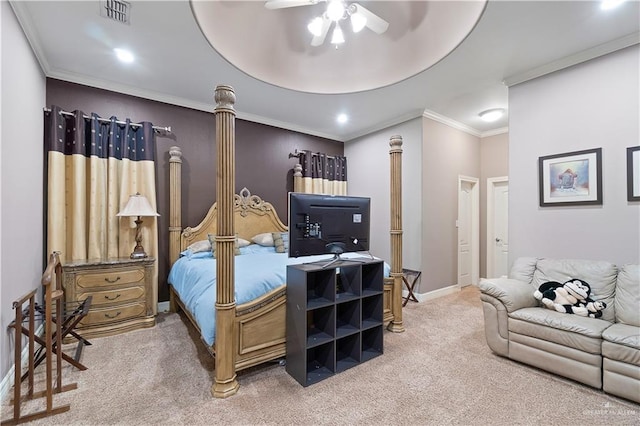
(123, 294)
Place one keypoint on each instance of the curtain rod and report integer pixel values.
(106, 120)
(295, 153)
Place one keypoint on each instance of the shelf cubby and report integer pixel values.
(347, 318)
(320, 362)
(371, 311)
(348, 352)
(371, 343)
(372, 278)
(320, 325)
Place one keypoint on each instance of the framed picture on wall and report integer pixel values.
(571, 179)
(633, 173)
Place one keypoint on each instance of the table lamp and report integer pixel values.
(139, 206)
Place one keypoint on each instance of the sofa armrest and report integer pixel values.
(513, 294)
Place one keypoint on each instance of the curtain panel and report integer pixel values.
(322, 174)
(93, 166)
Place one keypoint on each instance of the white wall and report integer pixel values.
(494, 162)
(591, 105)
(369, 175)
(21, 168)
(446, 153)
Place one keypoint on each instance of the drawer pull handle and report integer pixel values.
(112, 298)
(109, 280)
(113, 316)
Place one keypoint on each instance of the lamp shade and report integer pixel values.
(138, 205)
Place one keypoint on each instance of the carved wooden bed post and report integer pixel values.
(175, 210)
(395, 153)
(225, 381)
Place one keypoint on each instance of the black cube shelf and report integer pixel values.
(334, 317)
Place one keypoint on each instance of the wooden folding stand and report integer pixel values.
(51, 341)
(410, 287)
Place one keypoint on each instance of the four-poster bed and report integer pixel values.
(253, 332)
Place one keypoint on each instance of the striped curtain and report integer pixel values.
(93, 166)
(321, 174)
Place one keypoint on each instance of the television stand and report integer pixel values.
(336, 258)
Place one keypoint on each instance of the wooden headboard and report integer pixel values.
(252, 216)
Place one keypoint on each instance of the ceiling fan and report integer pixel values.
(337, 10)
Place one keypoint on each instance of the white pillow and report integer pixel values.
(200, 246)
(242, 242)
(265, 239)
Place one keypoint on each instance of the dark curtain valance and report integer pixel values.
(321, 173)
(94, 136)
(317, 165)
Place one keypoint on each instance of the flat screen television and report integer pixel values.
(327, 224)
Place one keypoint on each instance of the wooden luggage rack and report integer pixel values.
(57, 325)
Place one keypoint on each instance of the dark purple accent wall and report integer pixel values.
(262, 154)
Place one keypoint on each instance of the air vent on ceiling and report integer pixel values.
(117, 10)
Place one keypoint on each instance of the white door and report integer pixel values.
(468, 212)
(498, 227)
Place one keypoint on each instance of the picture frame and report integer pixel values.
(633, 173)
(571, 178)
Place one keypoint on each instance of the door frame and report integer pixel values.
(491, 189)
(475, 228)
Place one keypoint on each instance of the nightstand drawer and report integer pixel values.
(119, 296)
(110, 278)
(114, 314)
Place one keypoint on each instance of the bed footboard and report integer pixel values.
(261, 329)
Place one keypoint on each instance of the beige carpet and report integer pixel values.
(440, 371)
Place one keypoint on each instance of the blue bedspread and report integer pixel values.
(257, 271)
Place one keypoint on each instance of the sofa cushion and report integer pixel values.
(523, 269)
(574, 331)
(514, 294)
(600, 275)
(627, 300)
(623, 334)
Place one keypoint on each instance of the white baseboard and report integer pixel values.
(9, 378)
(434, 294)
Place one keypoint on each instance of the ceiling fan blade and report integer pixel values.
(374, 22)
(281, 4)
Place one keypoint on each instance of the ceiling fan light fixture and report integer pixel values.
(338, 36)
(335, 10)
(491, 115)
(315, 26)
(358, 22)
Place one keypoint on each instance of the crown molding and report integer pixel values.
(287, 126)
(178, 101)
(22, 15)
(384, 125)
(451, 123)
(577, 58)
(494, 132)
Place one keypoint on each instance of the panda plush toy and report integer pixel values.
(572, 297)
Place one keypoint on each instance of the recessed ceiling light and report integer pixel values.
(124, 55)
(492, 114)
(610, 4)
(342, 118)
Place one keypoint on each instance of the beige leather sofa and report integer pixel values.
(603, 352)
